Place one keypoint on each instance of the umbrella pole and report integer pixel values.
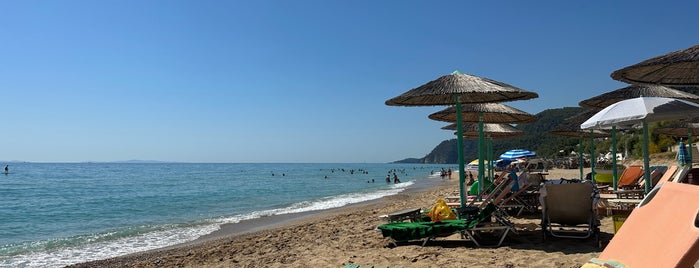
(580, 150)
(460, 151)
(593, 156)
(689, 147)
(480, 155)
(491, 172)
(646, 168)
(615, 177)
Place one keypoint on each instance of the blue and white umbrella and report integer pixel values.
(517, 153)
(683, 155)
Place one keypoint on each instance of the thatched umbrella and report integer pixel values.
(483, 113)
(495, 131)
(457, 88)
(634, 91)
(676, 68)
(571, 128)
(681, 129)
(492, 131)
(491, 113)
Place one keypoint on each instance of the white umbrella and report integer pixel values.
(642, 110)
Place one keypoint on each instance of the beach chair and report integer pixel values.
(681, 174)
(527, 197)
(655, 176)
(568, 211)
(667, 176)
(496, 190)
(629, 177)
(472, 228)
(661, 232)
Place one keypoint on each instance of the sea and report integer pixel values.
(57, 214)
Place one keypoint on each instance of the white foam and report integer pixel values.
(321, 204)
(99, 247)
(109, 249)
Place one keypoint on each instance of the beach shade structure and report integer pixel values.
(642, 110)
(681, 129)
(571, 128)
(634, 91)
(495, 131)
(491, 113)
(516, 154)
(455, 89)
(492, 131)
(643, 90)
(602, 101)
(483, 113)
(679, 68)
(682, 155)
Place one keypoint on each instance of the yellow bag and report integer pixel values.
(440, 211)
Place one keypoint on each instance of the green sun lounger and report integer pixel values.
(411, 231)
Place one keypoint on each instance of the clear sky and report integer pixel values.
(294, 81)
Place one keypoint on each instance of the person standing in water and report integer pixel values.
(7, 169)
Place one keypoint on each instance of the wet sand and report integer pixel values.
(338, 237)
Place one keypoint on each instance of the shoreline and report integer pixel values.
(257, 226)
(339, 236)
(274, 221)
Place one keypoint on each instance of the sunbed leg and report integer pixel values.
(425, 242)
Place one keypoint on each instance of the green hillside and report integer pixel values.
(536, 138)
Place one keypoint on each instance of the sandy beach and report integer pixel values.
(343, 236)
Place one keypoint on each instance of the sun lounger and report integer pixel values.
(668, 175)
(661, 232)
(526, 198)
(654, 178)
(681, 174)
(501, 185)
(568, 211)
(411, 215)
(630, 176)
(470, 228)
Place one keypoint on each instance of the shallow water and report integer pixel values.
(58, 214)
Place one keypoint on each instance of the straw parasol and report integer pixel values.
(492, 131)
(457, 88)
(676, 68)
(678, 129)
(492, 113)
(571, 128)
(601, 101)
(681, 129)
(467, 88)
(483, 113)
(495, 131)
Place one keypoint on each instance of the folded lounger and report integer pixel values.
(661, 232)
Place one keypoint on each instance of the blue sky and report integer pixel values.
(294, 81)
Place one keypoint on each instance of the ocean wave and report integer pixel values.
(66, 251)
(319, 204)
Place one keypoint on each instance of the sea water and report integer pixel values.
(56, 214)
